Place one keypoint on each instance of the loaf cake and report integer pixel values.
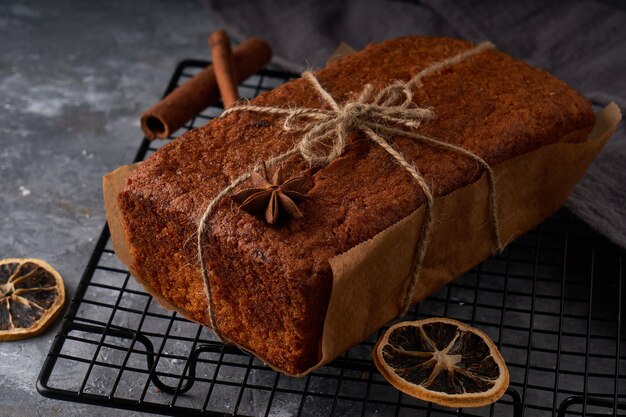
(271, 284)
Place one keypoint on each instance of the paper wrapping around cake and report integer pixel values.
(369, 280)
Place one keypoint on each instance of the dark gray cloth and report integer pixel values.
(581, 42)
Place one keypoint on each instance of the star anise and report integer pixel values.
(274, 197)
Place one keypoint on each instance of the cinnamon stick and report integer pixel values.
(224, 67)
(201, 91)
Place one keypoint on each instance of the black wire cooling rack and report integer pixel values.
(552, 301)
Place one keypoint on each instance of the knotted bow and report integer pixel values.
(381, 117)
(327, 130)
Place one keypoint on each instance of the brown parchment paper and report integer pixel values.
(370, 279)
(343, 49)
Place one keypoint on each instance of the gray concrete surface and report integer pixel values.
(74, 78)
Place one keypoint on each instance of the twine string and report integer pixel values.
(388, 114)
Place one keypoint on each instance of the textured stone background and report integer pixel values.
(74, 78)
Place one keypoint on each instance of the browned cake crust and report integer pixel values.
(272, 283)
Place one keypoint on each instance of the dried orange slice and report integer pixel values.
(31, 296)
(443, 361)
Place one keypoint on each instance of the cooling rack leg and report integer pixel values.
(517, 402)
(596, 402)
(149, 352)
